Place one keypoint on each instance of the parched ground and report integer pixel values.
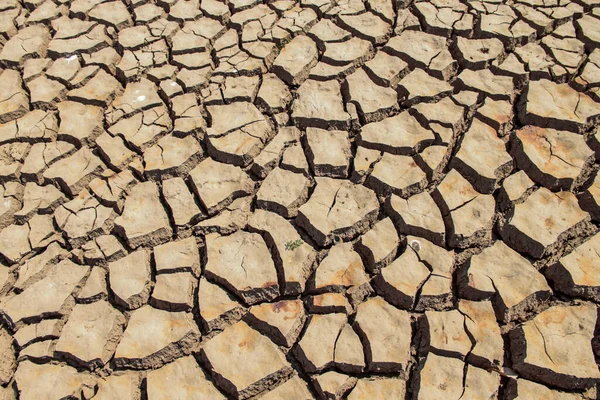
(378, 199)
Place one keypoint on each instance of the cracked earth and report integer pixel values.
(313, 199)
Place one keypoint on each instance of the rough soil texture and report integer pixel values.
(299, 199)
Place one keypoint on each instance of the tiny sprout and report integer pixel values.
(293, 244)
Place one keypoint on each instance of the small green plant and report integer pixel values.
(293, 244)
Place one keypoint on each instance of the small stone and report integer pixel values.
(129, 279)
(282, 321)
(555, 347)
(243, 362)
(154, 337)
(541, 224)
(337, 208)
(242, 262)
(91, 334)
(144, 220)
